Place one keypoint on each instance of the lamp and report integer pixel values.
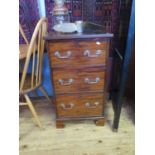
(60, 12)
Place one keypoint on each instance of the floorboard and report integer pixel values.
(77, 138)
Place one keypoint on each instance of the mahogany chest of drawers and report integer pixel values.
(78, 65)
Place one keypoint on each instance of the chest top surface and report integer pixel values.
(89, 30)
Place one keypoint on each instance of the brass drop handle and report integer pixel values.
(58, 55)
(89, 105)
(67, 107)
(87, 53)
(88, 81)
(62, 82)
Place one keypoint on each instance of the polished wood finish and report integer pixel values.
(60, 124)
(100, 122)
(88, 79)
(81, 105)
(78, 65)
(92, 79)
(63, 49)
(73, 53)
(93, 47)
(65, 77)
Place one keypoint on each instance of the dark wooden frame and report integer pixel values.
(124, 63)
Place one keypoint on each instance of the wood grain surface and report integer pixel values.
(81, 105)
(78, 68)
(88, 79)
(78, 137)
(77, 50)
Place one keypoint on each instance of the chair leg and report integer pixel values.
(42, 89)
(31, 107)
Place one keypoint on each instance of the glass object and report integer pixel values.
(60, 13)
(79, 25)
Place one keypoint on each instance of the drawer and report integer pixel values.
(83, 105)
(77, 53)
(63, 53)
(92, 52)
(72, 81)
(92, 79)
(65, 81)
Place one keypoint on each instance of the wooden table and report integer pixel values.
(23, 48)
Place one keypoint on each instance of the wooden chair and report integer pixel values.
(23, 34)
(29, 82)
(23, 48)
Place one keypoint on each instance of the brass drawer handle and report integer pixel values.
(67, 107)
(88, 81)
(88, 53)
(89, 105)
(70, 81)
(68, 54)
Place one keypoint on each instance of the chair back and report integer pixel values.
(35, 52)
(23, 34)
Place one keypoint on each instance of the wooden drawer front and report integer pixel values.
(69, 81)
(65, 81)
(80, 105)
(63, 53)
(68, 106)
(77, 53)
(92, 52)
(92, 104)
(92, 79)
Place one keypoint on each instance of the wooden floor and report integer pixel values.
(77, 138)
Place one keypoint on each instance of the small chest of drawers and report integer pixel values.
(79, 75)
